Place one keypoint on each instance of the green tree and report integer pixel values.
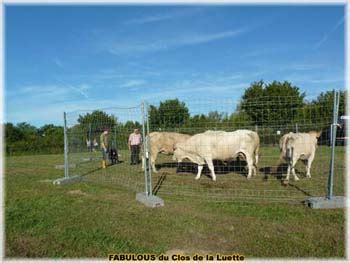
(271, 104)
(171, 113)
(13, 133)
(29, 131)
(90, 126)
(45, 128)
(318, 113)
(216, 116)
(98, 120)
(51, 138)
(129, 126)
(154, 119)
(240, 120)
(324, 105)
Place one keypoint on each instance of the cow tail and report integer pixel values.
(284, 149)
(289, 150)
(281, 159)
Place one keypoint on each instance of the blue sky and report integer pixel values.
(64, 58)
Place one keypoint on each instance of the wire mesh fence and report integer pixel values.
(270, 117)
(86, 153)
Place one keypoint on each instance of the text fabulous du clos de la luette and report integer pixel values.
(175, 257)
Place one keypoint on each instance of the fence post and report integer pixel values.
(333, 138)
(67, 177)
(330, 201)
(296, 128)
(148, 145)
(90, 141)
(144, 145)
(147, 198)
(115, 134)
(147, 164)
(66, 164)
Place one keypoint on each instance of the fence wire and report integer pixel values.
(84, 130)
(270, 117)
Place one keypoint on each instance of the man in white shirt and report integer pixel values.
(134, 142)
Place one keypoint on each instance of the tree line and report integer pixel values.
(266, 107)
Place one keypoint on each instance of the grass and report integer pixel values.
(99, 215)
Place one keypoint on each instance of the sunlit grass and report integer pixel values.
(100, 215)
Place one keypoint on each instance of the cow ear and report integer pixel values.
(318, 135)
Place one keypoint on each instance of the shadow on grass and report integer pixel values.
(299, 189)
(279, 173)
(274, 171)
(159, 183)
(99, 168)
(91, 172)
(220, 167)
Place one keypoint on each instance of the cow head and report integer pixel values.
(179, 153)
(316, 134)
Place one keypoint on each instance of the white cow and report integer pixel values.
(220, 145)
(298, 146)
(163, 142)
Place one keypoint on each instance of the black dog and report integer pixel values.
(113, 155)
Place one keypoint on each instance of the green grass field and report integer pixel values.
(98, 216)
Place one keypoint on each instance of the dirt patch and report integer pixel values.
(45, 181)
(23, 247)
(77, 192)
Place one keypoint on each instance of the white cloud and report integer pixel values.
(207, 86)
(315, 79)
(133, 83)
(328, 34)
(131, 47)
(46, 109)
(263, 51)
(74, 88)
(195, 39)
(163, 16)
(58, 62)
(46, 94)
(305, 66)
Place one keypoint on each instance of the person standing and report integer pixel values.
(104, 147)
(134, 142)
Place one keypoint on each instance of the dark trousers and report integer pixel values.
(135, 151)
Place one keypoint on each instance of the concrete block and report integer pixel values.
(61, 166)
(68, 180)
(324, 203)
(149, 200)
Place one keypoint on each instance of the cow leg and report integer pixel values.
(254, 170)
(200, 168)
(308, 166)
(153, 161)
(250, 164)
(289, 161)
(288, 172)
(211, 168)
(306, 163)
(294, 161)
